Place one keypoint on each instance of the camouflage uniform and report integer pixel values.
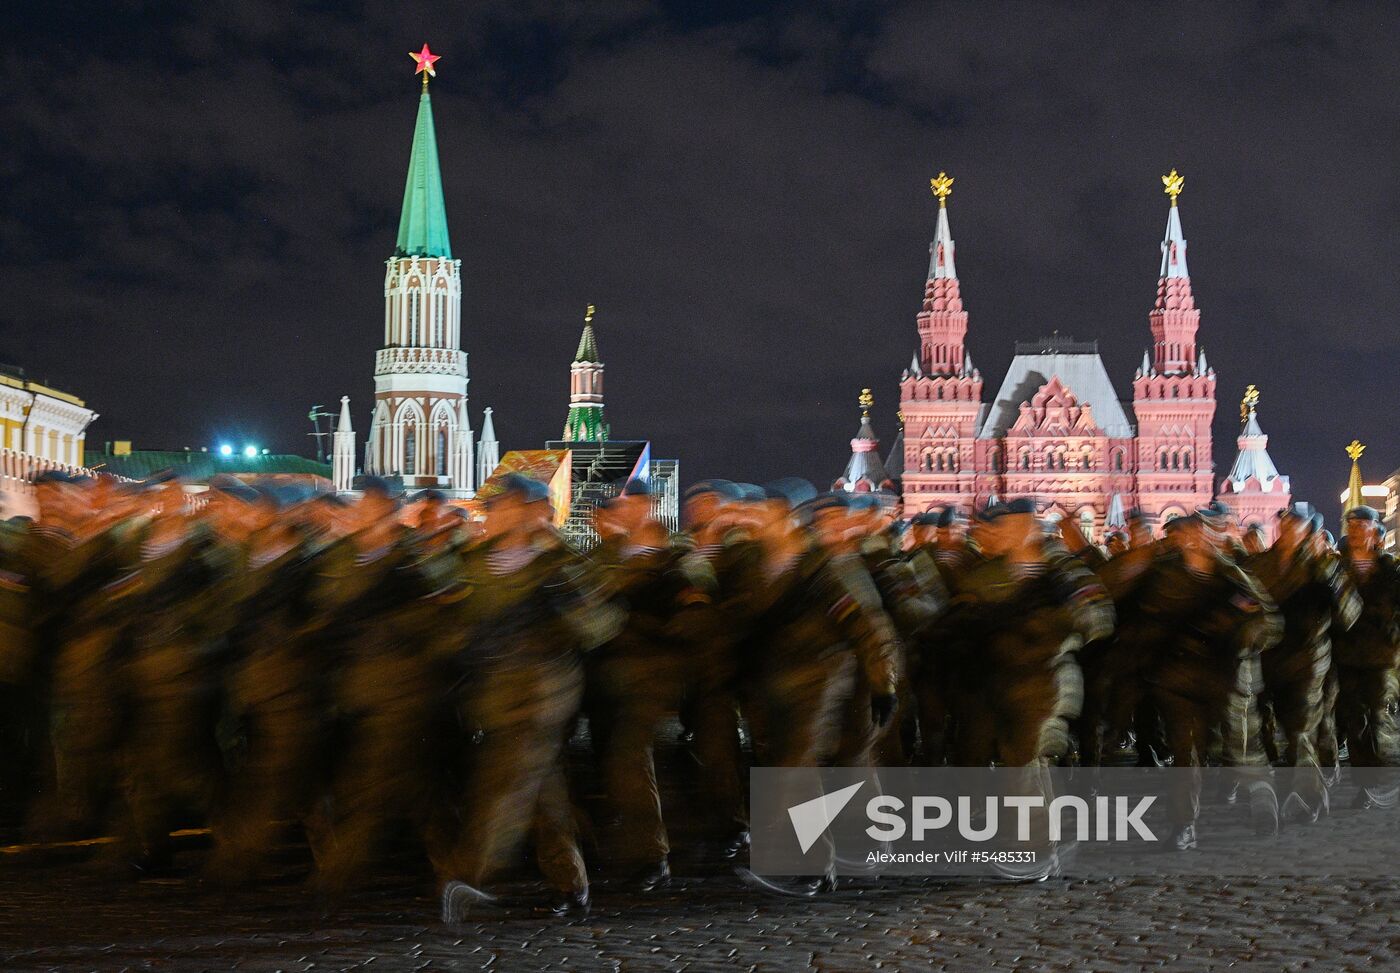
(1366, 656)
(638, 678)
(1204, 634)
(1016, 641)
(519, 693)
(1314, 594)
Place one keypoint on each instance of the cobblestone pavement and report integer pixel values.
(76, 916)
(79, 914)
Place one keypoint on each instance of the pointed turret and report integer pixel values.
(1253, 461)
(864, 472)
(1174, 318)
(423, 223)
(942, 322)
(1254, 486)
(488, 454)
(1356, 496)
(585, 420)
(343, 449)
(464, 451)
(940, 251)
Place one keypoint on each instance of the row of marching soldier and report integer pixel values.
(373, 672)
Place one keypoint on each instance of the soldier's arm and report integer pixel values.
(1346, 600)
(1260, 624)
(1086, 599)
(913, 593)
(856, 608)
(576, 598)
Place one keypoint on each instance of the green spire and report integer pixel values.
(423, 225)
(587, 347)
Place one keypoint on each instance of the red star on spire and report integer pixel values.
(425, 59)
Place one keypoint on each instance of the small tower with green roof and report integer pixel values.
(585, 422)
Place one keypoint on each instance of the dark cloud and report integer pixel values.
(199, 199)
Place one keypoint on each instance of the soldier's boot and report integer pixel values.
(717, 748)
(557, 845)
(639, 841)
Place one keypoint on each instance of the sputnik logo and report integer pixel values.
(811, 818)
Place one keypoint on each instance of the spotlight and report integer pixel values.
(225, 450)
(250, 451)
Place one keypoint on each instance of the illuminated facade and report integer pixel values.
(1056, 428)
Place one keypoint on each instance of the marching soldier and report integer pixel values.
(519, 693)
(1366, 655)
(1204, 623)
(820, 624)
(638, 677)
(1315, 595)
(722, 536)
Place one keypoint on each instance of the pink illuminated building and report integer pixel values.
(1056, 429)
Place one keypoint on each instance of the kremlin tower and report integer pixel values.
(585, 420)
(1056, 428)
(420, 430)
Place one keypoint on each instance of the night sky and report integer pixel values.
(198, 199)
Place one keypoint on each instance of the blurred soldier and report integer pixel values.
(820, 623)
(718, 528)
(173, 763)
(914, 597)
(1204, 623)
(520, 690)
(273, 685)
(1367, 654)
(90, 688)
(636, 680)
(1314, 595)
(375, 592)
(1021, 612)
(1114, 697)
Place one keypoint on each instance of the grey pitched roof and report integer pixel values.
(865, 464)
(1083, 374)
(1253, 459)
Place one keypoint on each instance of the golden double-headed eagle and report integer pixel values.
(1172, 183)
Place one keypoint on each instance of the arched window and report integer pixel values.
(994, 459)
(1025, 460)
(414, 303)
(1186, 459)
(1086, 458)
(1118, 461)
(440, 325)
(442, 452)
(1162, 460)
